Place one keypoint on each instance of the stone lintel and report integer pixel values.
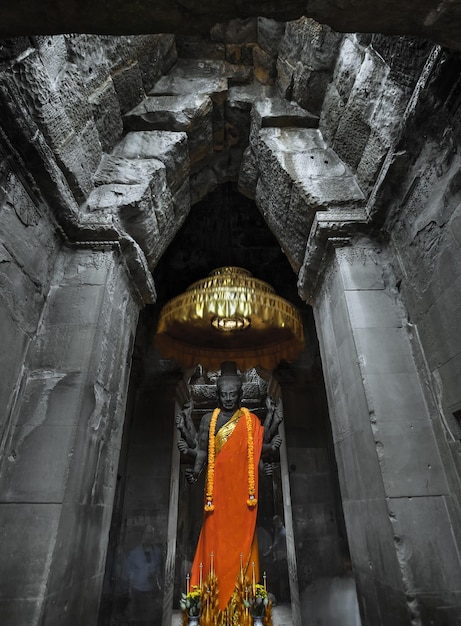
(334, 227)
(135, 263)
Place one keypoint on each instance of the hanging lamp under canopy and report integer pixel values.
(229, 316)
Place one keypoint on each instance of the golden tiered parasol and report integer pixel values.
(230, 315)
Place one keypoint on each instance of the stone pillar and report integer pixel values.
(58, 478)
(400, 515)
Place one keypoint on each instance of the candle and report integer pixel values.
(254, 579)
(187, 583)
(264, 578)
(211, 563)
(201, 570)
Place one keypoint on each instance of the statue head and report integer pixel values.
(229, 387)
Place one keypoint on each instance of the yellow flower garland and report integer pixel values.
(209, 506)
(252, 500)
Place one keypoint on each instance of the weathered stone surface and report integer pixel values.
(301, 182)
(168, 147)
(205, 68)
(305, 62)
(156, 56)
(330, 115)
(107, 114)
(129, 86)
(409, 513)
(215, 87)
(200, 78)
(309, 87)
(350, 59)
(136, 193)
(71, 88)
(133, 205)
(244, 96)
(43, 521)
(41, 96)
(239, 105)
(53, 52)
(270, 34)
(248, 174)
(264, 66)
(124, 171)
(189, 113)
(277, 112)
(87, 53)
(22, 216)
(322, 177)
(314, 45)
(354, 128)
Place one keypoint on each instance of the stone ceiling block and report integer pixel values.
(170, 85)
(299, 175)
(123, 171)
(53, 53)
(133, 207)
(270, 34)
(278, 112)
(128, 85)
(237, 112)
(311, 164)
(189, 113)
(264, 66)
(311, 43)
(107, 115)
(168, 147)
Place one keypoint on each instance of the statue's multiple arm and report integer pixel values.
(195, 444)
(202, 444)
(199, 452)
(272, 440)
(188, 441)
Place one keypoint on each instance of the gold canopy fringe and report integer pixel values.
(272, 327)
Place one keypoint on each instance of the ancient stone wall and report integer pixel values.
(58, 471)
(424, 228)
(394, 469)
(73, 91)
(29, 246)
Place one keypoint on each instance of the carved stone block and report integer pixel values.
(189, 113)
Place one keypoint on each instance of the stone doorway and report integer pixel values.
(225, 228)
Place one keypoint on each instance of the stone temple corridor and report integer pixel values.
(316, 145)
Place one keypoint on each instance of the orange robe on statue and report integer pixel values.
(230, 529)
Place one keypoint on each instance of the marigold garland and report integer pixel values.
(209, 506)
(252, 500)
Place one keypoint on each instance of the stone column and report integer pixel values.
(59, 474)
(400, 515)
